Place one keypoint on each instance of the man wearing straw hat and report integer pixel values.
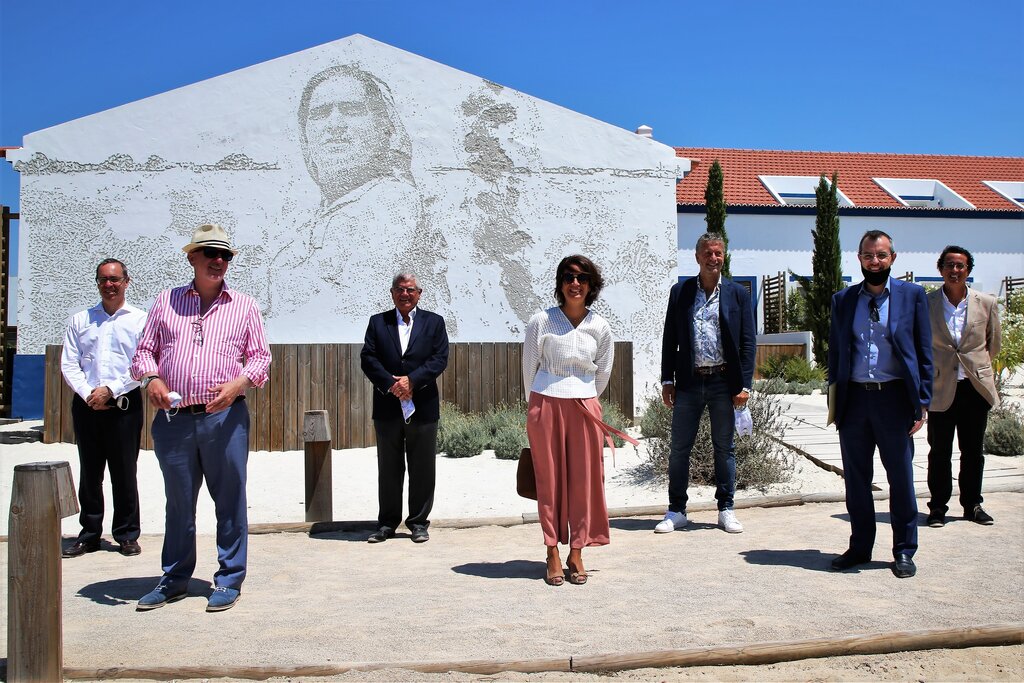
(202, 347)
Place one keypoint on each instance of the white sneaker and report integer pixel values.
(727, 520)
(672, 521)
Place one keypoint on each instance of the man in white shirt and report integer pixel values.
(107, 409)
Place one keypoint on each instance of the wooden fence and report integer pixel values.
(766, 351)
(773, 296)
(328, 377)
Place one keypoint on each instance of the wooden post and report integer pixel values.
(316, 438)
(42, 494)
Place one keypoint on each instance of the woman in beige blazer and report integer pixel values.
(965, 338)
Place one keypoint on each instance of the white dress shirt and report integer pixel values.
(98, 349)
(405, 331)
(956, 318)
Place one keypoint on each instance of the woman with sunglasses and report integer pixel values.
(567, 361)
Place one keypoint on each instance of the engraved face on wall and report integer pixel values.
(349, 131)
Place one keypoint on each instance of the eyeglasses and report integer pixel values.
(197, 332)
(878, 255)
(111, 280)
(405, 290)
(215, 253)
(954, 265)
(873, 310)
(582, 278)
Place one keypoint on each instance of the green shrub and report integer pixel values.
(467, 438)
(761, 459)
(613, 417)
(775, 385)
(801, 388)
(790, 368)
(796, 310)
(508, 442)
(656, 419)
(1004, 434)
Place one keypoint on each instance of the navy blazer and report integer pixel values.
(739, 343)
(911, 335)
(423, 361)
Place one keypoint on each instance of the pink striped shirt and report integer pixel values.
(232, 332)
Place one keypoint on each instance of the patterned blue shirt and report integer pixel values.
(707, 333)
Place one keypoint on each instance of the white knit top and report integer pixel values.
(563, 361)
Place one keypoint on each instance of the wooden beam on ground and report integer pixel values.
(989, 635)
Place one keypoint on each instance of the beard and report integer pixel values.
(875, 278)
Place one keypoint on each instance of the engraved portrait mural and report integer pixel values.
(333, 169)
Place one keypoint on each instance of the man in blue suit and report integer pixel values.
(880, 361)
(707, 359)
(405, 350)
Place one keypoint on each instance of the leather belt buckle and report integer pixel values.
(195, 408)
(872, 386)
(708, 370)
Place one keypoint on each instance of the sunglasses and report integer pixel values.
(112, 280)
(214, 253)
(582, 278)
(873, 310)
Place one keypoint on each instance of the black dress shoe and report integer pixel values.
(979, 516)
(936, 520)
(848, 560)
(380, 535)
(129, 548)
(80, 548)
(904, 567)
(420, 535)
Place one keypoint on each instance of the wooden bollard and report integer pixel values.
(316, 438)
(43, 493)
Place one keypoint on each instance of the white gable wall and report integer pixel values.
(483, 190)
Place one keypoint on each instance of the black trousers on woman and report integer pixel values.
(968, 416)
(108, 439)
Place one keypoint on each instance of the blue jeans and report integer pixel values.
(214, 447)
(711, 391)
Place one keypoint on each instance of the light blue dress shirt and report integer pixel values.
(707, 332)
(874, 358)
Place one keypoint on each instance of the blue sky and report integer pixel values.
(941, 76)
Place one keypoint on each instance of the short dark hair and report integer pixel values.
(108, 261)
(954, 249)
(585, 265)
(875, 235)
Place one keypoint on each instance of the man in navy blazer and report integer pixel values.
(405, 350)
(707, 359)
(880, 363)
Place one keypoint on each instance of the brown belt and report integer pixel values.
(709, 369)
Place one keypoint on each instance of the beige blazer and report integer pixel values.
(979, 343)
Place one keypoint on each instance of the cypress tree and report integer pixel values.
(826, 266)
(714, 206)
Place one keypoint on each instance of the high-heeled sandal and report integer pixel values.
(576, 578)
(554, 579)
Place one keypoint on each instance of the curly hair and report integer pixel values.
(586, 266)
(954, 249)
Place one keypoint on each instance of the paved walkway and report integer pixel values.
(807, 432)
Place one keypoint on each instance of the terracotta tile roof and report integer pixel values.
(741, 168)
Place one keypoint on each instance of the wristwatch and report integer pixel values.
(147, 379)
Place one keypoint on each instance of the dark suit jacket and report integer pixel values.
(739, 343)
(911, 334)
(424, 360)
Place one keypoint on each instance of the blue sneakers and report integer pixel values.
(158, 597)
(222, 598)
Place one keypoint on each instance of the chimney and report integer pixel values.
(645, 132)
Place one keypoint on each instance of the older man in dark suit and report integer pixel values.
(707, 360)
(880, 363)
(405, 350)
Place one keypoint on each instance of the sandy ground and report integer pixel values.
(476, 593)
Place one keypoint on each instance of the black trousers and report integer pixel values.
(108, 439)
(968, 416)
(399, 443)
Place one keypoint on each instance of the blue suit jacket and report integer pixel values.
(423, 361)
(739, 343)
(909, 330)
